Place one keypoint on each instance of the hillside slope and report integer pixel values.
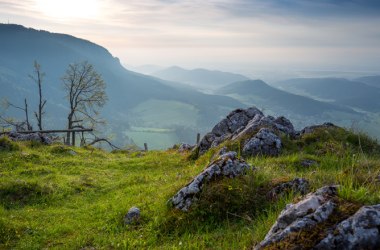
(58, 196)
(339, 90)
(259, 93)
(301, 109)
(199, 78)
(370, 80)
(20, 46)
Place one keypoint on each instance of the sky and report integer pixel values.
(342, 35)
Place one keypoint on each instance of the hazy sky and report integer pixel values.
(277, 34)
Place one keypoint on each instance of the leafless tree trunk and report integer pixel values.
(27, 116)
(38, 80)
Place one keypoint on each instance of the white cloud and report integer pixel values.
(195, 32)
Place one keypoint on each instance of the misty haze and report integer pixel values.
(189, 124)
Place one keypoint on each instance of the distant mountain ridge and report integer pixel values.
(261, 94)
(370, 80)
(20, 46)
(339, 90)
(199, 78)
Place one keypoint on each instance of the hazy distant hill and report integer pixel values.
(259, 93)
(127, 91)
(339, 90)
(370, 80)
(145, 69)
(199, 78)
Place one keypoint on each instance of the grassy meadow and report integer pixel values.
(59, 197)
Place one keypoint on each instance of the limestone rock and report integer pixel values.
(243, 123)
(265, 142)
(234, 121)
(185, 147)
(311, 129)
(14, 136)
(313, 209)
(227, 165)
(360, 231)
(280, 124)
(133, 216)
(220, 152)
(298, 185)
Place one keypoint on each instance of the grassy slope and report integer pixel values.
(51, 198)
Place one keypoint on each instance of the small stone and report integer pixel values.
(308, 163)
(72, 152)
(133, 216)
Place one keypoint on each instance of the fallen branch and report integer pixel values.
(103, 140)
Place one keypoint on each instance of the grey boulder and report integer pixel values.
(311, 129)
(313, 209)
(185, 147)
(297, 185)
(360, 231)
(227, 165)
(133, 216)
(242, 124)
(265, 142)
(38, 137)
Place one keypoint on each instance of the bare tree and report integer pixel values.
(38, 78)
(7, 122)
(85, 90)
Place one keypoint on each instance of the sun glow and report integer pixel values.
(69, 9)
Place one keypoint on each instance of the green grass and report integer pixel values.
(52, 198)
(164, 114)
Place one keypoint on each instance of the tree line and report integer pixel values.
(85, 93)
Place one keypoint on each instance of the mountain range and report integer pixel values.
(127, 91)
(354, 94)
(202, 79)
(170, 105)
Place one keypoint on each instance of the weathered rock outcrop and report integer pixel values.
(14, 136)
(227, 165)
(235, 121)
(265, 142)
(280, 124)
(317, 213)
(311, 129)
(183, 147)
(313, 209)
(298, 185)
(243, 125)
(360, 231)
